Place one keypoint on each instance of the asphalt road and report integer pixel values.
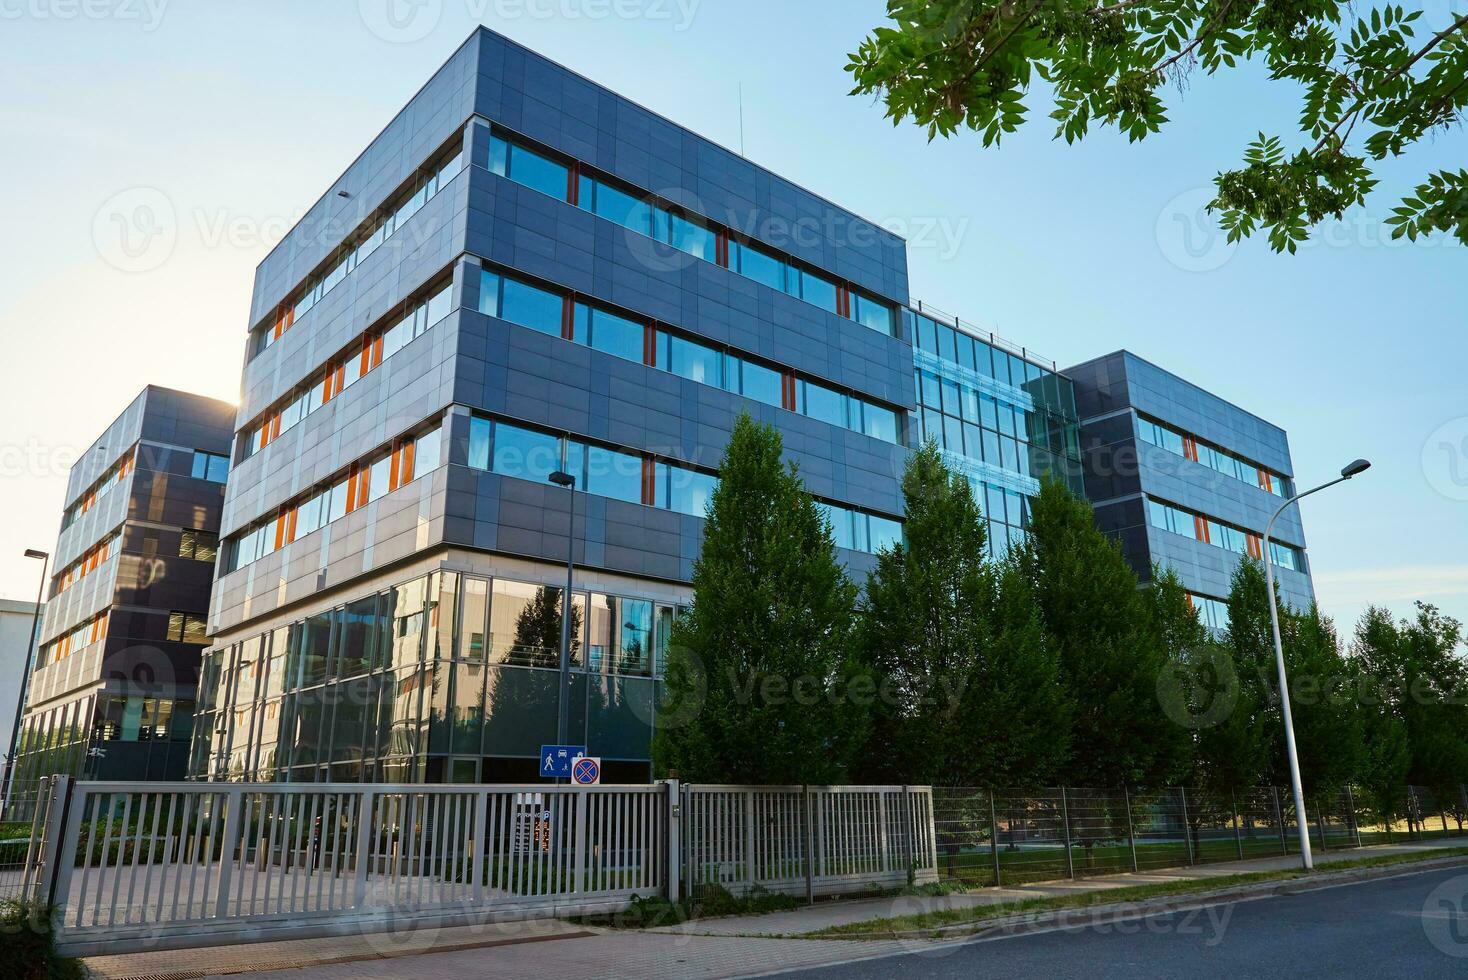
(1414, 925)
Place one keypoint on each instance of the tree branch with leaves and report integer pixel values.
(1372, 89)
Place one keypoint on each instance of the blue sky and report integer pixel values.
(234, 118)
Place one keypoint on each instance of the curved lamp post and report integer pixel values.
(1301, 824)
(563, 479)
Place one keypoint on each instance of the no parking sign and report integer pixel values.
(586, 771)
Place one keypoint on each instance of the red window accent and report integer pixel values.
(787, 391)
(573, 183)
(568, 318)
(1189, 597)
(290, 534)
(409, 451)
(275, 428)
(280, 528)
(352, 490)
(376, 352)
(843, 300)
(326, 386)
(650, 345)
(649, 481)
(1264, 482)
(1256, 546)
(721, 248)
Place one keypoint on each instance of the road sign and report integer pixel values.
(586, 772)
(555, 760)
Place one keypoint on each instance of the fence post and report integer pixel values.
(882, 827)
(1187, 831)
(582, 803)
(366, 805)
(1284, 841)
(1131, 836)
(1320, 822)
(1351, 811)
(749, 875)
(674, 839)
(1233, 803)
(810, 846)
(1414, 813)
(994, 837)
(40, 818)
(1070, 868)
(233, 833)
(51, 848)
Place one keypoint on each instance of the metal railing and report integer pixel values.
(129, 866)
(815, 841)
(173, 862)
(1006, 837)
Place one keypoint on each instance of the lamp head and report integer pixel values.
(33, 553)
(1353, 468)
(563, 479)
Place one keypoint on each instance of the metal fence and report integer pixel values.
(17, 813)
(130, 866)
(1006, 837)
(818, 840)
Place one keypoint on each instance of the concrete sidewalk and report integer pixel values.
(741, 946)
(823, 915)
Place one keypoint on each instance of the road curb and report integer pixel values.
(1022, 923)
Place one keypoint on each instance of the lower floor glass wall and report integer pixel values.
(447, 678)
(106, 736)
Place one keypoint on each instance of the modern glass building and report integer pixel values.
(112, 689)
(527, 273)
(1186, 480)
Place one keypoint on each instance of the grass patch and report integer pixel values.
(711, 902)
(28, 946)
(934, 920)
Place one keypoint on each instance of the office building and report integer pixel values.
(1186, 480)
(526, 273)
(112, 691)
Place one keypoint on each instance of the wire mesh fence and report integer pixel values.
(1006, 837)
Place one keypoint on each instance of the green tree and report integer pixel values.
(758, 685)
(1417, 668)
(1382, 775)
(1236, 753)
(968, 689)
(1328, 717)
(1110, 652)
(1371, 84)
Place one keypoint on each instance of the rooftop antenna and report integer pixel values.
(741, 119)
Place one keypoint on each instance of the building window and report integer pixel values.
(210, 466)
(187, 628)
(198, 545)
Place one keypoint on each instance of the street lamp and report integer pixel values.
(563, 722)
(1301, 824)
(25, 675)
